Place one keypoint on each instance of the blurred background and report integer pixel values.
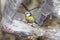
(49, 24)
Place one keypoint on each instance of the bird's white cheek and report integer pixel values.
(28, 15)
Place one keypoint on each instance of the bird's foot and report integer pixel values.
(30, 24)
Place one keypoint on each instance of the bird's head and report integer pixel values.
(28, 13)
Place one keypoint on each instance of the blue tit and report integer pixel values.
(29, 18)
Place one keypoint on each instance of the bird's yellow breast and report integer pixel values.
(30, 19)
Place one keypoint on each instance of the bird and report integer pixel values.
(29, 17)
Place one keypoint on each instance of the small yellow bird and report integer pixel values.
(29, 18)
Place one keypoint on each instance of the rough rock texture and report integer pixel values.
(52, 29)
